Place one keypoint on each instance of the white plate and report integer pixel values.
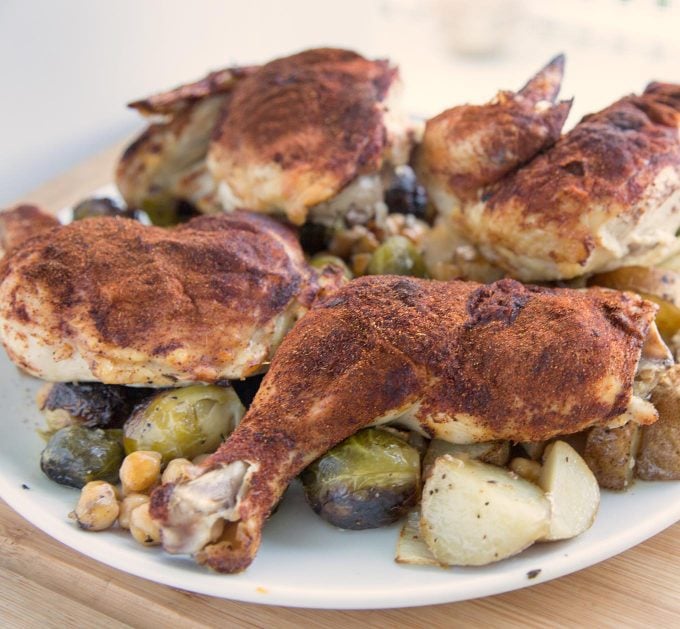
(303, 561)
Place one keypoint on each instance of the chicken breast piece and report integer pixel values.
(302, 128)
(606, 195)
(167, 161)
(111, 300)
(455, 360)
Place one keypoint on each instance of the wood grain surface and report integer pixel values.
(46, 584)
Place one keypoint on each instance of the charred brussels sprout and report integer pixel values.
(183, 423)
(404, 195)
(369, 480)
(103, 206)
(166, 211)
(90, 404)
(321, 260)
(397, 256)
(76, 455)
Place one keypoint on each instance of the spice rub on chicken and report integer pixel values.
(456, 360)
(605, 195)
(285, 138)
(112, 300)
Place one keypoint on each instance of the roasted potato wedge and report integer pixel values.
(411, 547)
(662, 286)
(610, 454)
(494, 452)
(473, 513)
(659, 454)
(572, 489)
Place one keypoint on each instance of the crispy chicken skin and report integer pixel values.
(279, 139)
(303, 127)
(606, 195)
(112, 300)
(20, 223)
(167, 161)
(455, 360)
(469, 147)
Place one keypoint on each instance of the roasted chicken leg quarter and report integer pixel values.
(454, 360)
(112, 300)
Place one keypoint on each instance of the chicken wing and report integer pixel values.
(454, 360)
(112, 300)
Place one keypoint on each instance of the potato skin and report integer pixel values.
(610, 453)
(659, 456)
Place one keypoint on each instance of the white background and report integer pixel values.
(68, 67)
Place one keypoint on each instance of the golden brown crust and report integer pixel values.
(604, 167)
(314, 117)
(190, 296)
(169, 102)
(525, 363)
(471, 146)
(21, 223)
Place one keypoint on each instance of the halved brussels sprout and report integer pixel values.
(369, 480)
(397, 256)
(322, 260)
(103, 206)
(183, 423)
(166, 211)
(76, 455)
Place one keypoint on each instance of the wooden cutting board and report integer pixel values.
(44, 583)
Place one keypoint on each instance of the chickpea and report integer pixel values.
(129, 504)
(526, 468)
(143, 528)
(176, 471)
(140, 471)
(97, 507)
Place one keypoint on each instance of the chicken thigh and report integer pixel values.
(455, 360)
(112, 300)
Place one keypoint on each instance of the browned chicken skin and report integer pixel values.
(20, 223)
(459, 361)
(112, 300)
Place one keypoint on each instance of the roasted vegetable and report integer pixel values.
(473, 513)
(168, 211)
(659, 455)
(103, 206)
(76, 455)
(322, 260)
(90, 404)
(183, 423)
(573, 490)
(397, 256)
(404, 195)
(494, 452)
(369, 480)
(411, 547)
(610, 453)
(661, 286)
